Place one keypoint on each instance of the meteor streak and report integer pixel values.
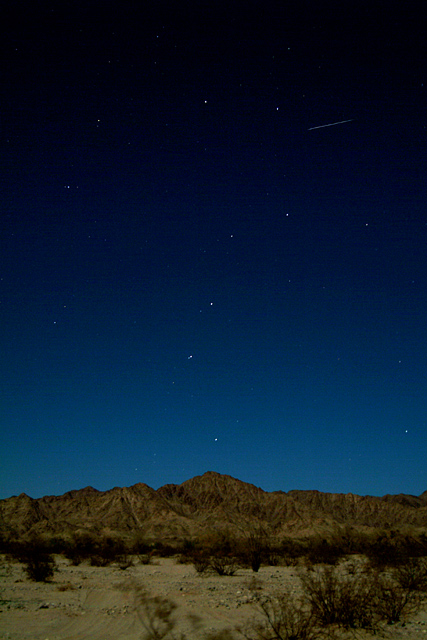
(321, 126)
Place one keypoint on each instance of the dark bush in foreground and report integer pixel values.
(394, 602)
(282, 618)
(343, 600)
(39, 564)
(412, 575)
(155, 614)
(40, 568)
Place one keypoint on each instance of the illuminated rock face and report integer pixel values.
(209, 501)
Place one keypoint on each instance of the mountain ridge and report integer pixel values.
(211, 501)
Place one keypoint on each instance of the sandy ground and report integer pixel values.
(97, 603)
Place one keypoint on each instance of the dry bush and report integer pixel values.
(291, 551)
(393, 602)
(101, 551)
(412, 575)
(140, 545)
(254, 548)
(282, 618)
(39, 564)
(80, 547)
(155, 614)
(224, 565)
(201, 563)
(363, 598)
(342, 600)
(387, 549)
(40, 567)
(324, 552)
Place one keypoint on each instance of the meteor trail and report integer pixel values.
(321, 126)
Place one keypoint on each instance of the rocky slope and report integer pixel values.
(207, 502)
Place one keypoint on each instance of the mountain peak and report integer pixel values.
(212, 501)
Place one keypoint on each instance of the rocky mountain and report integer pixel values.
(208, 502)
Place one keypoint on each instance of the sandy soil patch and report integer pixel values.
(98, 603)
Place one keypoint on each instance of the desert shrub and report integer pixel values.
(56, 543)
(40, 567)
(393, 602)
(217, 544)
(188, 547)
(343, 600)
(111, 548)
(282, 618)
(5, 542)
(382, 553)
(97, 560)
(254, 547)
(392, 549)
(422, 544)
(224, 565)
(106, 550)
(364, 598)
(163, 549)
(101, 551)
(80, 547)
(324, 552)
(201, 562)
(39, 563)
(412, 575)
(140, 545)
(74, 554)
(155, 614)
(291, 551)
(124, 561)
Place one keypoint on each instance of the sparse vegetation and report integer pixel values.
(39, 563)
(325, 552)
(393, 602)
(412, 575)
(363, 598)
(282, 618)
(155, 614)
(337, 599)
(224, 565)
(256, 547)
(200, 562)
(340, 599)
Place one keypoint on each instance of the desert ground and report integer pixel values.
(99, 603)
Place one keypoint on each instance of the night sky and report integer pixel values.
(195, 273)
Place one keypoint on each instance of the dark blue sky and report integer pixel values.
(191, 277)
